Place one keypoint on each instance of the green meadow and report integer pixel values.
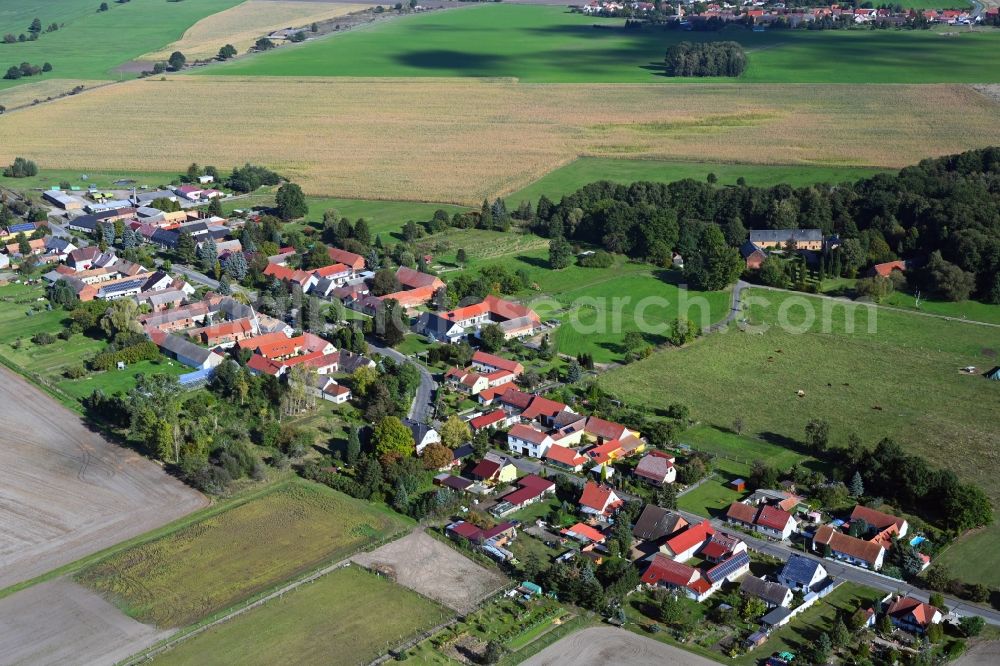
(91, 44)
(900, 378)
(550, 44)
(579, 172)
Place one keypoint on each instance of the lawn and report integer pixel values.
(103, 179)
(802, 631)
(714, 495)
(900, 381)
(596, 307)
(91, 44)
(550, 44)
(740, 448)
(213, 564)
(120, 381)
(965, 557)
(569, 178)
(973, 310)
(311, 624)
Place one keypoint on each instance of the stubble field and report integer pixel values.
(66, 492)
(462, 140)
(216, 562)
(243, 24)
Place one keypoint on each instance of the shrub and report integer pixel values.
(143, 351)
(43, 338)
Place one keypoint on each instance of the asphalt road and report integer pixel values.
(782, 551)
(422, 406)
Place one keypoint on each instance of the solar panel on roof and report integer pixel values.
(728, 567)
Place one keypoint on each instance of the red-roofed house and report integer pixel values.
(886, 269)
(465, 381)
(528, 440)
(722, 546)
(494, 469)
(886, 525)
(657, 468)
(850, 549)
(767, 519)
(599, 500)
(225, 333)
(664, 572)
(585, 533)
(565, 457)
(354, 261)
(495, 419)
(682, 546)
(486, 363)
(532, 488)
(913, 615)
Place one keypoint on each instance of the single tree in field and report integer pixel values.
(817, 434)
(290, 202)
(560, 253)
(226, 52)
(176, 61)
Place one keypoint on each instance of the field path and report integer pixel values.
(65, 491)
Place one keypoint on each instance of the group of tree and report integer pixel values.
(705, 59)
(15, 72)
(20, 168)
(34, 32)
(939, 215)
(249, 177)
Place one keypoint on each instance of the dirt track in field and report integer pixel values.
(60, 622)
(435, 570)
(606, 645)
(66, 492)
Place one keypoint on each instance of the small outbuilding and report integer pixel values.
(739, 485)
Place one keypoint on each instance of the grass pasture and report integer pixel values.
(429, 140)
(901, 381)
(243, 24)
(576, 174)
(549, 44)
(92, 44)
(349, 616)
(965, 557)
(28, 93)
(210, 565)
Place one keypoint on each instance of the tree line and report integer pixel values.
(943, 214)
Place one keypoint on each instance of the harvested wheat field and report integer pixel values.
(243, 24)
(460, 140)
(66, 492)
(60, 622)
(27, 93)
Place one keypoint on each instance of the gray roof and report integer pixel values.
(430, 323)
(147, 197)
(418, 429)
(516, 323)
(773, 593)
(776, 616)
(800, 569)
(119, 287)
(784, 235)
(165, 238)
(181, 347)
(655, 523)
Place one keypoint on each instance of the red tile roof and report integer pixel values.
(586, 531)
(355, 261)
(565, 455)
(527, 433)
(653, 467)
(598, 497)
(486, 469)
(664, 570)
(923, 613)
(604, 429)
(532, 486)
(332, 269)
(772, 517)
(487, 420)
(413, 279)
(498, 362)
(542, 407)
(692, 536)
(886, 269)
(877, 519)
(860, 549)
(741, 512)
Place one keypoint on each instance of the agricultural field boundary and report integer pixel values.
(152, 535)
(254, 601)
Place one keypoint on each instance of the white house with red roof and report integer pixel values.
(672, 575)
(353, 261)
(913, 615)
(599, 500)
(657, 468)
(682, 546)
(486, 363)
(767, 519)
